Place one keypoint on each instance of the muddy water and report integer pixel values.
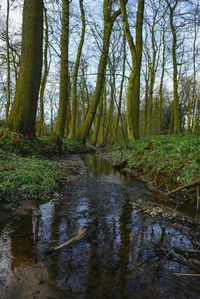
(126, 253)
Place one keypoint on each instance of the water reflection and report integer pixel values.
(125, 254)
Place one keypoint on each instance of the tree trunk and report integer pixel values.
(194, 68)
(102, 120)
(133, 91)
(98, 120)
(175, 72)
(121, 89)
(44, 78)
(23, 113)
(152, 78)
(161, 83)
(64, 73)
(108, 24)
(8, 60)
(73, 132)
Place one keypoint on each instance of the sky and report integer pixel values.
(15, 14)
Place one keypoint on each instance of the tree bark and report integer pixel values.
(73, 132)
(40, 130)
(108, 24)
(133, 91)
(8, 60)
(23, 113)
(175, 71)
(64, 73)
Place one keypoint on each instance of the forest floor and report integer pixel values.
(30, 169)
(165, 162)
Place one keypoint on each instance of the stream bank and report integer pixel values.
(126, 253)
(170, 163)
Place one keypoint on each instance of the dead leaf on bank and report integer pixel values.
(11, 168)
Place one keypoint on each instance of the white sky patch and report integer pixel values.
(15, 13)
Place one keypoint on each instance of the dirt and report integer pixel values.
(174, 205)
(71, 168)
(28, 281)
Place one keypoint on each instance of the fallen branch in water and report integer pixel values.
(80, 235)
(187, 274)
(194, 183)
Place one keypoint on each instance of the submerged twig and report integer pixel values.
(80, 235)
(187, 274)
(169, 252)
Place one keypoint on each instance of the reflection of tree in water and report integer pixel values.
(125, 230)
(61, 261)
(22, 239)
(93, 281)
(100, 166)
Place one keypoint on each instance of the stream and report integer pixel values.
(126, 253)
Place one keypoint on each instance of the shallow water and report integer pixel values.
(125, 254)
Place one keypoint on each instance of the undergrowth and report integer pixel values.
(25, 171)
(25, 178)
(175, 157)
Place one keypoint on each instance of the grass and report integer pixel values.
(25, 171)
(173, 160)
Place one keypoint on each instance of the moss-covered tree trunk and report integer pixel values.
(68, 115)
(98, 121)
(194, 68)
(133, 91)
(161, 81)
(152, 75)
(40, 130)
(8, 61)
(109, 138)
(23, 113)
(195, 109)
(146, 98)
(64, 72)
(109, 19)
(101, 136)
(121, 89)
(175, 68)
(73, 132)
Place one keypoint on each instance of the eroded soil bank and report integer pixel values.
(135, 245)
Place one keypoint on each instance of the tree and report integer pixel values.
(133, 92)
(64, 73)
(41, 130)
(109, 19)
(72, 132)
(194, 68)
(161, 79)
(121, 89)
(175, 71)
(8, 60)
(23, 113)
(152, 66)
